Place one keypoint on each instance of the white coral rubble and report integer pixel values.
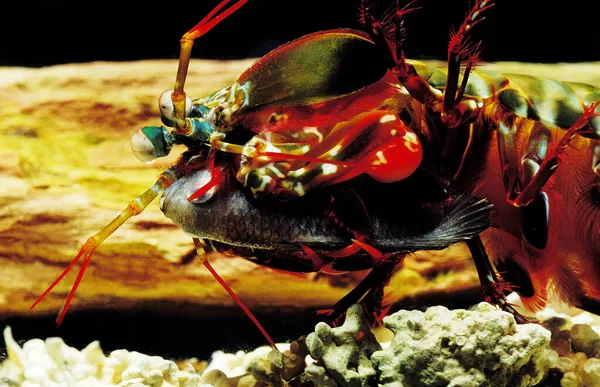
(52, 363)
(478, 347)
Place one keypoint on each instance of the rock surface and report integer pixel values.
(345, 351)
(467, 348)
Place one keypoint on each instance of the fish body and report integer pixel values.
(393, 218)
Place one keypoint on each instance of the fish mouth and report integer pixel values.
(166, 197)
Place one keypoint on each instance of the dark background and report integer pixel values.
(46, 32)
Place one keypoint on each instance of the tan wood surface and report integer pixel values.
(66, 170)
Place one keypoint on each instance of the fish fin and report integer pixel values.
(466, 217)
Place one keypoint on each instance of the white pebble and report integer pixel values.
(155, 376)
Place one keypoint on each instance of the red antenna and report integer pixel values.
(187, 41)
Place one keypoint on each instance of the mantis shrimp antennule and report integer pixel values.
(134, 208)
(187, 42)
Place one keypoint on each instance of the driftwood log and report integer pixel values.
(66, 170)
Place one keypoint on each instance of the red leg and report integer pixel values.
(459, 50)
(553, 158)
(236, 299)
(369, 292)
(494, 290)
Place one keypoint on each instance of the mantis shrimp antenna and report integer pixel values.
(187, 42)
(134, 208)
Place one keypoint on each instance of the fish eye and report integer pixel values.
(200, 179)
(167, 110)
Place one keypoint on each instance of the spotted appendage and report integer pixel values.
(376, 143)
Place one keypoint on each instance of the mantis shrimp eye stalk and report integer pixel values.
(167, 109)
(150, 143)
